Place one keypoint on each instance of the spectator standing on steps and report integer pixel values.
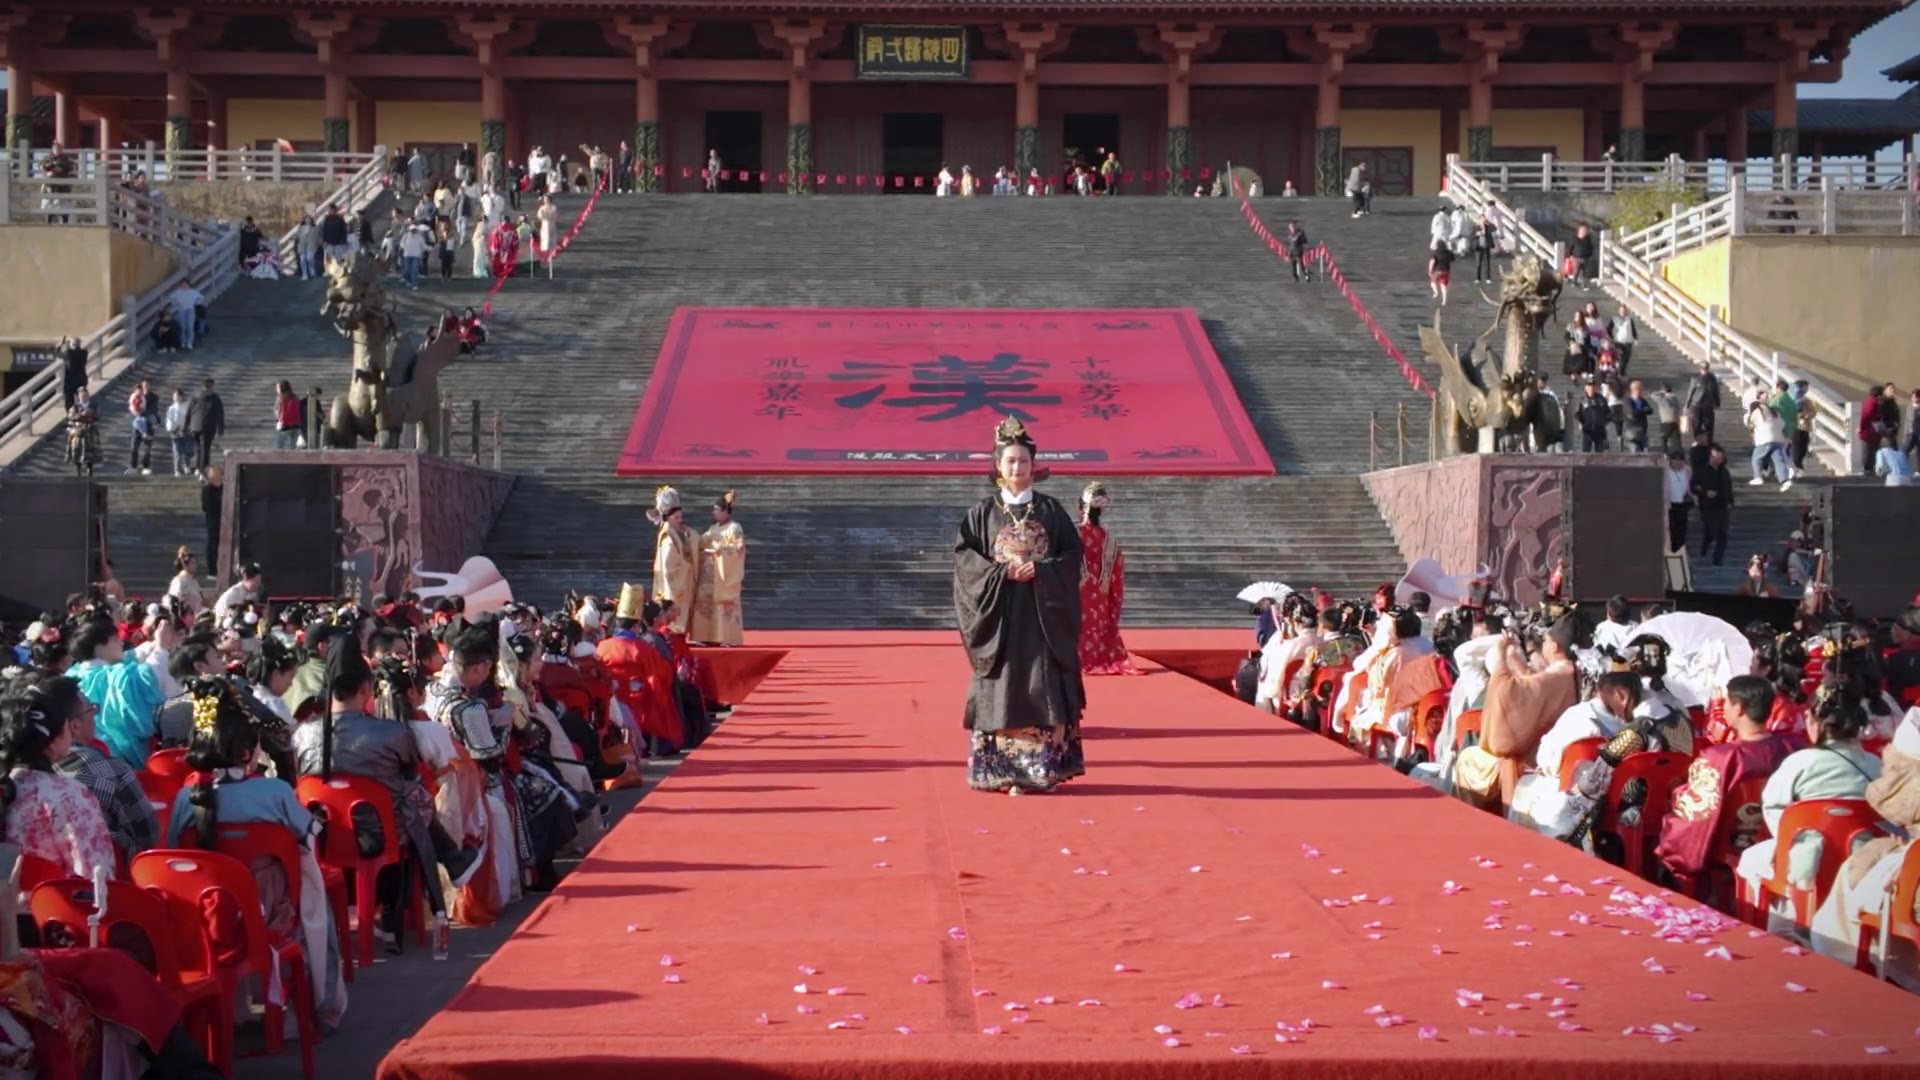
(1703, 398)
(1486, 240)
(207, 421)
(145, 409)
(1594, 416)
(1297, 243)
(1678, 480)
(1439, 269)
(416, 172)
(289, 418)
(1624, 332)
(1357, 188)
(187, 303)
(73, 370)
(1713, 491)
(1582, 252)
(1769, 444)
(1804, 411)
(178, 435)
(211, 494)
(333, 235)
(1666, 413)
(463, 164)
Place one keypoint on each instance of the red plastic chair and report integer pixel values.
(1429, 716)
(1741, 826)
(170, 763)
(251, 841)
(1341, 727)
(36, 871)
(1577, 753)
(161, 793)
(191, 880)
(1286, 680)
(1663, 771)
(1839, 822)
(67, 903)
(340, 849)
(1906, 890)
(1321, 689)
(1467, 723)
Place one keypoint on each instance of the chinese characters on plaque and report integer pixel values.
(911, 52)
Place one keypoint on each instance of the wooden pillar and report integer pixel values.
(649, 39)
(1698, 151)
(486, 35)
(1331, 47)
(217, 122)
(1033, 42)
(19, 133)
(365, 135)
(1632, 143)
(1480, 120)
(328, 35)
(1593, 133)
(106, 129)
(1490, 40)
(1644, 40)
(1449, 126)
(1737, 134)
(1179, 157)
(179, 111)
(801, 37)
(66, 120)
(1786, 116)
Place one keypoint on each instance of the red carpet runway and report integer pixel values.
(815, 893)
(918, 391)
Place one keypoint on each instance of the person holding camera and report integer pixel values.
(1531, 684)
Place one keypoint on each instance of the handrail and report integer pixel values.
(245, 163)
(1333, 274)
(1826, 211)
(1776, 174)
(114, 346)
(49, 201)
(352, 196)
(1696, 330)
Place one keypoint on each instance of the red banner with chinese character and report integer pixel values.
(908, 390)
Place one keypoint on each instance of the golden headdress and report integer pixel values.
(1095, 496)
(210, 695)
(665, 501)
(726, 501)
(1011, 432)
(632, 600)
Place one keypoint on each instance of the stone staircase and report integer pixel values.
(571, 357)
(1384, 259)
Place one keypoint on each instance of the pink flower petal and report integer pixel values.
(1536, 892)
(1877, 1050)
(1219, 1001)
(1080, 870)
(1505, 1032)
(994, 1030)
(1451, 888)
(1373, 1010)
(1282, 1037)
(1795, 988)
(921, 980)
(1171, 1042)
(1014, 1006)
(1555, 1014)
(836, 991)
(1241, 1049)
(1720, 952)
(671, 979)
(1066, 851)
(1359, 898)
(806, 970)
(1439, 951)
(1430, 1034)
(1823, 1032)
(1795, 950)
(762, 1019)
(1283, 956)
(801, 988)
(904, 1030)
(1516, 1005)
(857, 1016)
(978, 992)
(1498, 903)
(1695, 995)
(1162, 1029)
(1017, 1018)
(1476, 1031)
(1086, 821)
(1687, 1028)
(1336, 870)
(1195, 869)
(1089, 1003)
(1309, 851)
(805, 1010)
(956, 933)
(881, 865)
(1187, 1001)
(1121, 969)
(881, 839)
(1329, 984)
(838, 1025)
(1243, 918)
(667, 960)
(1044, 999)
(1570, 1026)
(633, 928)
(1385, 901)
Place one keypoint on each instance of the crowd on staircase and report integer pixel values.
(1772, 772)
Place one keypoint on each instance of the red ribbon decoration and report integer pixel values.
(1339, 279)
(486, 303)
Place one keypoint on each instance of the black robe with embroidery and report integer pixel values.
(1022, 637)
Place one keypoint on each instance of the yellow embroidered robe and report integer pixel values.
(676, 572)
(723, 569)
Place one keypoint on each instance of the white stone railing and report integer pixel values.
(1830, 210)
(159, 167)
(1695, 329)
(353, 195)
(1765, 174)
(25, 413)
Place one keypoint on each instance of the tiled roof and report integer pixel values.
(1907, 70)
(1901, 114)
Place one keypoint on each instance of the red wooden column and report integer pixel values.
(1797, 38)
(1331, 45)
(487, 36)
(1487, 43)
(802, 38)
(17, 131)
(649, 39)
(1034, 41)
(66, 119)
(1642, 41)
(1179, 44)
(168, 32)
(328, 35)
(1737, 134)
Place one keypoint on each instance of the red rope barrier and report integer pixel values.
(500, 280)
(1339, 279)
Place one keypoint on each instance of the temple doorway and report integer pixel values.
(737, 136)
(913, 145)
(1086, 139)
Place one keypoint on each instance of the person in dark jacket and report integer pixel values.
(250, 241)
(206, 422)
(1594, 416)
(1703, 398)
(73, 375)
(1713, 493)
(1583, 252)
(333, 234)
(211, 495)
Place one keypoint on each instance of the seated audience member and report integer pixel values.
(49, 814)
(349, 740)
(473, 332)
(227, 791)
(123, 689)
(1538, 801)
(123, 803)
(1865, 881)
(1834, 767)
(166, 332)
(194, 658)
(1613, 633)
(1523, 702)
(1690, 826)
(1292, 647)
(1396, 681)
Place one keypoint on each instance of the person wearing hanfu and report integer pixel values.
(1687, 833)
(1016, 596)
(1396, 681)
(642, 676)
(1866, 880)
(124, 690)
(676, 558)
(723, 570)
(1103, 573)
(503, 248)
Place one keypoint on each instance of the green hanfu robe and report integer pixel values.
(1022, 638)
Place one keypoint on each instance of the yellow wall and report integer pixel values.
(401, 123)
(69, 280)
(1562, 129)
(252, 119)
(1417, 128)
(1845, 301)
(1704, 274)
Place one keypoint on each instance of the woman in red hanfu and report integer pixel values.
(1103, 574)
(503, 248)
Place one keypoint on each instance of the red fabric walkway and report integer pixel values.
(828, 826)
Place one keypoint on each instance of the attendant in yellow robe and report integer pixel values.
(723, 569)
(676, 558)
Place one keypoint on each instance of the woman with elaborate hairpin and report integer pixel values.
(1103, 574)
(723, 571)
(676, 557)
(1016, 594)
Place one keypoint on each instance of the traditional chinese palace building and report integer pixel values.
(795, 90)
